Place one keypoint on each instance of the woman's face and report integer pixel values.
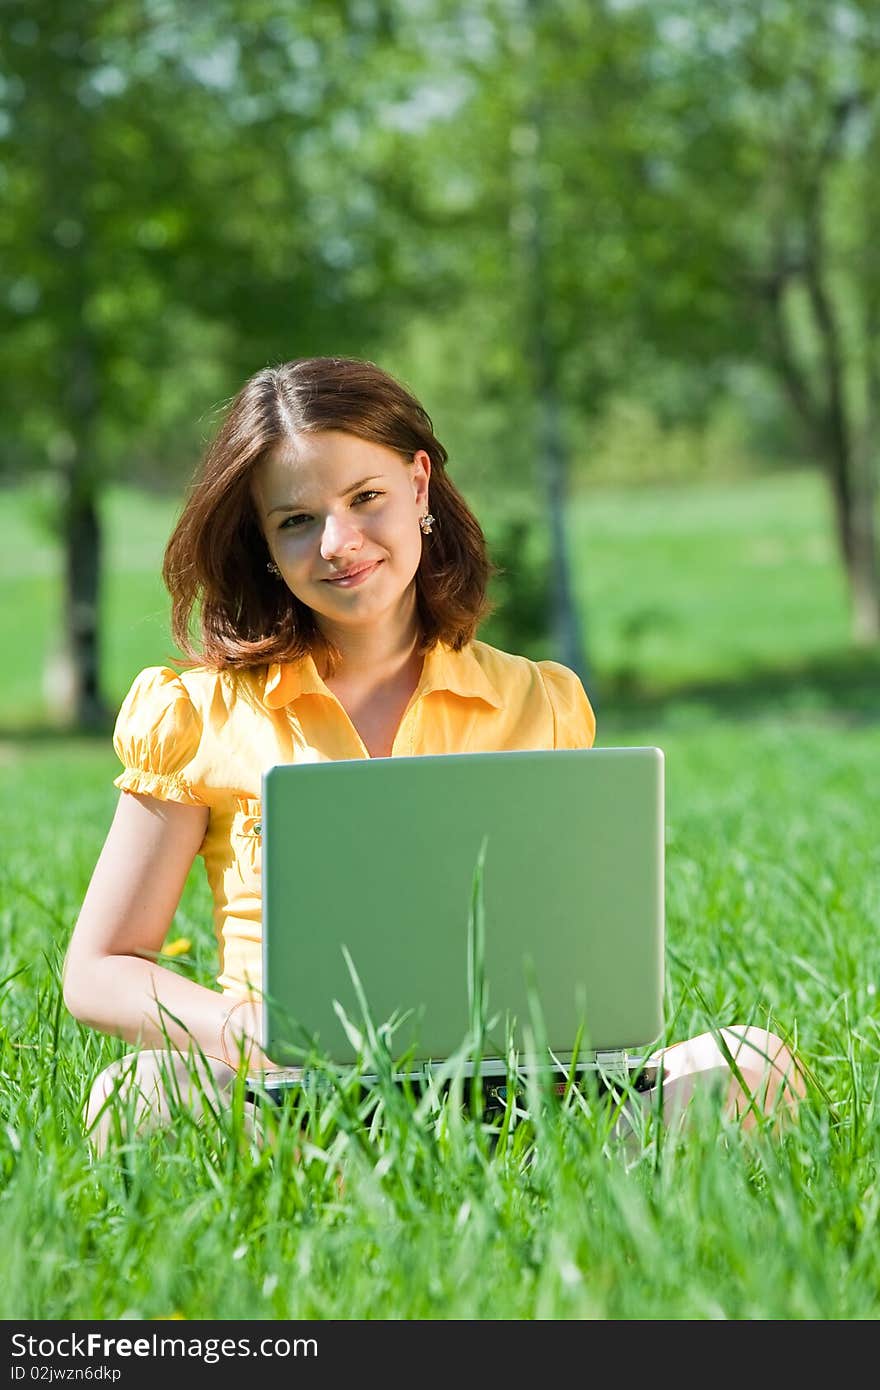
(330, 503)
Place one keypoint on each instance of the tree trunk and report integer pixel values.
(847, 455)
(78, 666)
(854, 508)
(72, 676)
(865, 580)
(82, 571)
(862, 569)
(565, 624)
(65, 125)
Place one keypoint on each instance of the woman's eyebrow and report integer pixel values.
(298, 506)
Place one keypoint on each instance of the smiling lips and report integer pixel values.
(356, 575)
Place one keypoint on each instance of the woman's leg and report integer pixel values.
(153, 1085)
(767, 1070)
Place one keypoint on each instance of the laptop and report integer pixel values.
(552, 955)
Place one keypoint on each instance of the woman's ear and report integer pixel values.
(421, 476)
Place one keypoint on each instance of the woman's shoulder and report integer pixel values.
(163, 703)
(169, 724)
(520, 678)
(510, 666)
(166, 703)
(159, 686)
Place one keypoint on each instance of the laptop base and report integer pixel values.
(633, 1073)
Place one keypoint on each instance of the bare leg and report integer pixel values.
(774, 1085)
(152, 1086)
(773, 1082)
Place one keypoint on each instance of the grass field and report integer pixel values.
(717, 629)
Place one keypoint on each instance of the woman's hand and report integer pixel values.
(242, 1033)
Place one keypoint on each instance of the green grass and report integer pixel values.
(680, 584)
(773, 896)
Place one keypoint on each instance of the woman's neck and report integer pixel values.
(374, 657)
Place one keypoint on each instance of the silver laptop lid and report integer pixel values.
(378, 857)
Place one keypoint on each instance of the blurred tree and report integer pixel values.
(528, 208)
(186, 197)
(759, 232)
(533, 239)
(523, 191)
(689, 183)
(118, 178)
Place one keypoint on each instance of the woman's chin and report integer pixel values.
(378, 612)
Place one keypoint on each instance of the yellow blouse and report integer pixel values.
(206, 737)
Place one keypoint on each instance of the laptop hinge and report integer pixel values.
(611, 1061)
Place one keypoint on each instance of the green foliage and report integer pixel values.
(680, 427)
(521, 589)
(187, 199)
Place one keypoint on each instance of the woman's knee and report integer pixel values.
(768, 1071)
(147, 1088)
(754, 1068)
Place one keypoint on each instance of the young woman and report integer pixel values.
(338, 579)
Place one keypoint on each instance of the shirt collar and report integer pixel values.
(443, 669)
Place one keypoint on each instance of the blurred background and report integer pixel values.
(625, 252)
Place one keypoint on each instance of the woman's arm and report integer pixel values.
(110, 981)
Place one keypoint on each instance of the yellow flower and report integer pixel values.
(177, 948)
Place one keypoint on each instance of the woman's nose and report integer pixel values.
(340, 534)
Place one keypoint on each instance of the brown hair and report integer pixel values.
(217, 553)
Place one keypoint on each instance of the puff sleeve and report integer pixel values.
(574, 723)
(156, 736)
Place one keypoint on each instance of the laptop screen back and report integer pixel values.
(379, 856)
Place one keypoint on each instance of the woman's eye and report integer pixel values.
(294, 523)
